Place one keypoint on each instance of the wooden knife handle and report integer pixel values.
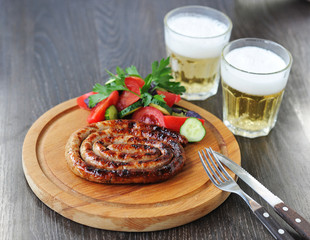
(272, 225)
(301, 225)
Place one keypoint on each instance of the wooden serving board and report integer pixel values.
(134, 208)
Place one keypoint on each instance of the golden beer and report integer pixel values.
(252, 113)
(196, 75)
(195, 37)
(254, 74)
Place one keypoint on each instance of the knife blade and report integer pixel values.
(301, 225)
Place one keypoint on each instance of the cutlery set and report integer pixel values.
(212, 163)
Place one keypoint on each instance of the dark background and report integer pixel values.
(55, 50)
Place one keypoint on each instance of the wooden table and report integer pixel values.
(52, 51)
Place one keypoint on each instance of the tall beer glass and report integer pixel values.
(195, 37)
(254, 74)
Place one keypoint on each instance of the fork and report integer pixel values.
(222, 180)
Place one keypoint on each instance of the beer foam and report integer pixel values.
(255, 60)
(261, 71)
(196, 36)
(196, 26)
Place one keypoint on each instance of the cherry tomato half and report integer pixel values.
(98, 112)
(127, 98)
(149, 115)
(81, 100)
(170, 98)
(174, 122)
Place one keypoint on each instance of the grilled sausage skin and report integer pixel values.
(124, 152)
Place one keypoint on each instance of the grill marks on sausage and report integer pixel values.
(125, 151)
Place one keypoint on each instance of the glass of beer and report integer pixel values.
(195, 37)
(254, 75)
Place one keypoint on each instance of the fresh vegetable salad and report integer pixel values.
(151, 100)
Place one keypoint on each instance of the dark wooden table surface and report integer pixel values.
(55, 50)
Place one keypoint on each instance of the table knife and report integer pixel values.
(301, 225)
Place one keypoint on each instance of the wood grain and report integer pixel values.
(136, 208)
(55, 50)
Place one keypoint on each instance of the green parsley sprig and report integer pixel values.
(159, 78)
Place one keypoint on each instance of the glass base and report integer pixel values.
(201, 95)
(246, 133)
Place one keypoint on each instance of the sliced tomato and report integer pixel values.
(127, 98)
(132, 82)
(174, 122)
(97, 113)
(170, 98)
(81, 100)
(149, 115)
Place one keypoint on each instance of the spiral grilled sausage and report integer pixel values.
(125, 151)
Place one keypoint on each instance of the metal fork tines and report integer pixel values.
(221, 179)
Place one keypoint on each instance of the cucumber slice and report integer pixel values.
(161, 106)
(193, 130)
(111, 113)
(132, 108)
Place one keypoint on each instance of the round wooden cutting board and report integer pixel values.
(134, 208)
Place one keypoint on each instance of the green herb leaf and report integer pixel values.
(146, 99)
(174, 87)
(112, 75)
(99, 88)
(159, 97)
(104, 91)
(132, 71)
(120, 72)
(161, 75)
(147, 84)
(94, 99)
